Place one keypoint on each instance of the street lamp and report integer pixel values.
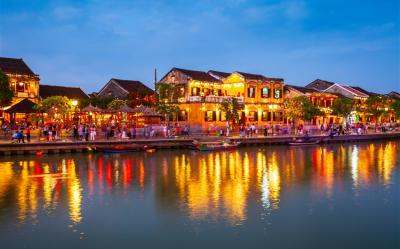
(74, 104)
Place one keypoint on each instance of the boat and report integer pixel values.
(120, 148)
(215, 146)
(304, 142)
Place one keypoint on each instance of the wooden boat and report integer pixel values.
(304, 142)
(215, 146)
(120, 148)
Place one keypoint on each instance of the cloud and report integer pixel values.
(66, 12)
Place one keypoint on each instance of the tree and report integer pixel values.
(55, 104)
(6, 93)
(101, 102)
(396, 108)
(342, 107)
(166, 97)
(231, 107)
(301, 108)
(376, 106)
(116, 104)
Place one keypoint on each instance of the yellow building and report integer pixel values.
(23, 82)
(201, 95)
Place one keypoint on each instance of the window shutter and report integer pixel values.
(214, 116)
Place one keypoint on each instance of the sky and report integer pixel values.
(85, 43)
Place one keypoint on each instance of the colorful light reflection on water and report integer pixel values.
(328, 196)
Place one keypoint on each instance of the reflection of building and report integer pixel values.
(201, 95)
(23, 82)
(322, 100)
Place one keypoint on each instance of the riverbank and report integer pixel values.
(8, 149)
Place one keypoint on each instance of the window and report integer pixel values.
(251, 92)
(266, 116)
(20, 87)
(277, 93)
(195, 91)
(182, 116)
(253, 116)
(210, 116)
(222, 116)
(265, 92)
(277, 116)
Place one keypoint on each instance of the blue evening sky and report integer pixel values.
(85, 43)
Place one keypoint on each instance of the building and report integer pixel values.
(73, 93)
(123, 89)
(201, 95)
(359, 94)
(25, 85)
(322, 100)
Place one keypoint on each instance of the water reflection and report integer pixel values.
(204, 186)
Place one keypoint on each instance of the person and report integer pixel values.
(75, 131)
(21, 136)
(227, 128)
(265, 131)
(28, 134)
(133, 132)
(86, 132)
(93, 133)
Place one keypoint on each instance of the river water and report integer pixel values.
(330, 196)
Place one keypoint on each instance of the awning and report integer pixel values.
(24, 106)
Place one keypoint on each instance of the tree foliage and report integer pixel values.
(342, 107)
(231, 107)
(376, 106)
(6, 93)
(55, 104)
(101, 102)
(166, 95)
(301, 108)
(396, 107)
(166, 92)
(116, 104)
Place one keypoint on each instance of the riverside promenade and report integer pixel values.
(67, 146)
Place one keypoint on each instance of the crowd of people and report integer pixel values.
(114, 130)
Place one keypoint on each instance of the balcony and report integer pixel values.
(213, 99)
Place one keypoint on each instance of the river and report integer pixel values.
(328, 196)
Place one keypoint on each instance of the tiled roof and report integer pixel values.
(70, 92)
(197, 75)
(24, 106)
(261, 77)
(364, 91)
(301, 89)
(15, 66)
(355, 91)
(219, 74)
(133, 86)
(320, 84)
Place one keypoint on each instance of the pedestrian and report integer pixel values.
(93, 133)
(28, 134)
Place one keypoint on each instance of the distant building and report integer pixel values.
(121, 89)
(23, 81)
(355, 93)
(203, 92)
(25, 85)
(73, 93)
(322, 100)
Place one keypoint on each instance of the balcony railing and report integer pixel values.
(213, 99)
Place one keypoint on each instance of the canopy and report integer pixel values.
(146, 111)
(91, 108)
(126, 109)
(24, 106)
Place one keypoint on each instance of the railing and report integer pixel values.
(213, 99)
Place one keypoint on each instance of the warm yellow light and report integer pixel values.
(74, 102)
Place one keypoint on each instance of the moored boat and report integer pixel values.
(215, 146)
(304, 142)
